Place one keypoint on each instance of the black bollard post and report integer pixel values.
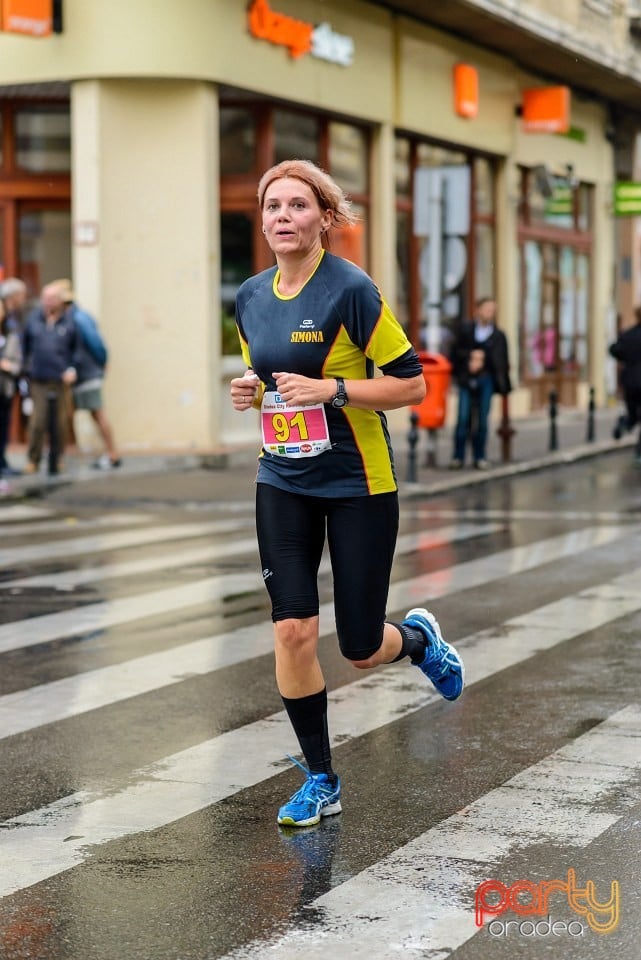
(554, 440)
(412, 439)
(505, 430)
(590, 436)
(52, 427)
(430, 452)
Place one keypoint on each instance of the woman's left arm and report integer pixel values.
(386, 392)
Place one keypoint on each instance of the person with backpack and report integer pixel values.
(90, 363)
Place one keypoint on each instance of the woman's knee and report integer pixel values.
(295, 637)
(360, 654)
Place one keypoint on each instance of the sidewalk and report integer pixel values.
(220, 470)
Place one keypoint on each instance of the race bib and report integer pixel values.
(290, 431)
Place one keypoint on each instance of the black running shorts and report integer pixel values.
(361, 535)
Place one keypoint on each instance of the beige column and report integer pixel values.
(145, 253)
(383, 212)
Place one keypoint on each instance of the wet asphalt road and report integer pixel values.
(143, 746)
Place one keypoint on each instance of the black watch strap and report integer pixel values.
(340, 397)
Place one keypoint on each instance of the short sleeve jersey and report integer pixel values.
(337, 324)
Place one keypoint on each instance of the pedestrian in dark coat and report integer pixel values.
(481, 368)
(627, 350)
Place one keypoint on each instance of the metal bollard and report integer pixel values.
(590, 436)
(505, 430)
(554, 440)
(412, 439)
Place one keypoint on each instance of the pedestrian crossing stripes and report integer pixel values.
(418, 898)
(384, 910)
(71, 696)
(209, 772)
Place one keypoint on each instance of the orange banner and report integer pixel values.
(32, 17)
(546, 110)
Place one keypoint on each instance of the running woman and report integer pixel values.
(313, 329)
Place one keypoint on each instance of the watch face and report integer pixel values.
(339, 401)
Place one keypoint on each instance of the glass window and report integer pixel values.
(483, 187)
(584, 206)
(532, 351)
(236, 266)
(428, 155)
(43, 139)
(44, 244)
(351, 242)
(237, 140)
(403, 226)
(402, 171)
(348, 157)
(484, 263)
(296, 136)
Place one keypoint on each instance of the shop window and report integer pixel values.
(350, 242)
(403, 230)
(348, 157)
(237, 140)
(402, 169)
(295, 136)
(483, 187)
(44, 247)
(484, 260)
(43, 139)
(236, 266)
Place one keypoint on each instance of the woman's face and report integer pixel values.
(292, 218)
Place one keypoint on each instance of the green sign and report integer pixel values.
(627, 199)
(560, 203)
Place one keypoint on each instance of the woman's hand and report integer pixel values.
(244, 390)
(299, 391)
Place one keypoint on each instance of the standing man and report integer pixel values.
(481, 369)
(627, 350)
(90, 362)
(50, 343)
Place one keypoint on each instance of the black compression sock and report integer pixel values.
(308, 717)
(413, 643)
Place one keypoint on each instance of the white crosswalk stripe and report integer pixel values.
(387, 910)
(392, 909)
(45, 842)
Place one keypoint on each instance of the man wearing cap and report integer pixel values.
(50, 341)
(90, 360)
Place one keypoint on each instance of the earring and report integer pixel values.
(264, 231)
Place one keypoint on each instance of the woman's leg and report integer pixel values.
(361, 534)
(291, 536)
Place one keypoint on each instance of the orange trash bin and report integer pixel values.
(437, 373)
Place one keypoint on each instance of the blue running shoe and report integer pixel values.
(316, 798)
(442, 664)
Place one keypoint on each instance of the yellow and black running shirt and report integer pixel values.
(336, 325)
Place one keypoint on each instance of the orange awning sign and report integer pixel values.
(298, 36)
(32, 17)
(546, 110)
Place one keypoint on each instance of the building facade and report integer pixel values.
(132, 144)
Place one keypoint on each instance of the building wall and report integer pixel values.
(145, 172)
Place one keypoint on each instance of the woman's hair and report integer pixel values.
(329, 195)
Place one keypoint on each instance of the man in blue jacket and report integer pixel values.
(50, 342)
(90, 361)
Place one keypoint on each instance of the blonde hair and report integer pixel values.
(329, 195)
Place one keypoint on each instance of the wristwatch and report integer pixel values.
(340, 397)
